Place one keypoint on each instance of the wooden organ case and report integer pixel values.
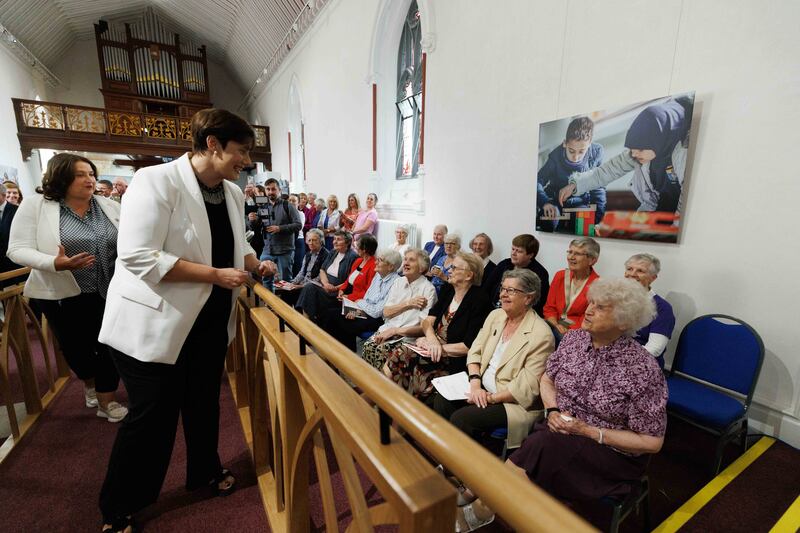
(146, 69)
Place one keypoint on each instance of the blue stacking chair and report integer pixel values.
(713, 376)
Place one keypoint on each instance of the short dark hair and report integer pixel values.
(580, 129)
(223, 125)
(272, 181)
(105, 182)
(60, 174)
(346, 235)
(528, 242)
(368, 243)
(261, 189)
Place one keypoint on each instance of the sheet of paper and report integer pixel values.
(453, 387)
(416, 349)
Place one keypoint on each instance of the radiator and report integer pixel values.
(386, 233)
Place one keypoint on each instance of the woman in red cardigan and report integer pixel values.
(363, 270)
(566, 301)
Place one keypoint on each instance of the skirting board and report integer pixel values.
(777, 424)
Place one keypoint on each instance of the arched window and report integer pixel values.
(296, 138)
(409, 95)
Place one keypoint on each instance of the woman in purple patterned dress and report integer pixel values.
(605, 401)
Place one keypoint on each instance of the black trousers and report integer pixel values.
(158, 393)
(346, 331)
(469, 418)
(76, 324)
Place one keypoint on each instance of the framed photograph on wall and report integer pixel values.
(616, 173)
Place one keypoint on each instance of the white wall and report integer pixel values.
(17, 81)
(495, 74)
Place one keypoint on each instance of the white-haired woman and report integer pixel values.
(605, 402)
(368, 312)
(440, 270)
(644, 268)
(400, 244)
(410, 299)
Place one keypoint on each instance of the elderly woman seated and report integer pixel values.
(400, 244)
(524, 249)
(482, 246)
(504, 365)
(567, 302)
(605, 402)
(289, 291)
(410, 299)
(366, 314)
(644, 268)
(315, 298)
(448, 331)
(357, 282)
(440, 270)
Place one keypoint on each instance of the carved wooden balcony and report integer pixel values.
(92, 129)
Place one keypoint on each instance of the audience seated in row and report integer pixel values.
(310, 267)
(482, 246)
(447, 332)
(440, 270)
(315, 299)
(435, 248)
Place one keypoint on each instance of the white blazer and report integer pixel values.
(34, 240)
(164, 219)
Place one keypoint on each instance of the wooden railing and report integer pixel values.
(17, 314)
(292, 392)
(94, 129)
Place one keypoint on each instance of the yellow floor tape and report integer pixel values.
(790, 521)
(677, 519)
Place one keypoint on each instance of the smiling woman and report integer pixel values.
(182, 254)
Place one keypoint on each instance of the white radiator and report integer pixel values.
(386, 233)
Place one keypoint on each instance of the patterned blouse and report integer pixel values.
(619, 386)
(96, 235)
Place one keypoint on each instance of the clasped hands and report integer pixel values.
(565, 423)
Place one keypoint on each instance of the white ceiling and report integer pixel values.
(242, 35)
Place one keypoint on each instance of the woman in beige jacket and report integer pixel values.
(504, 365)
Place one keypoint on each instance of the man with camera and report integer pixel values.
(278, 221)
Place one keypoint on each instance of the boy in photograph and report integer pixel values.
(576, 154)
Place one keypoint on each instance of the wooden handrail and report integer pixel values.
(14, 273)
(523, 505)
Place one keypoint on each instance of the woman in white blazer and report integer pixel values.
(68, 236)
(171, 311)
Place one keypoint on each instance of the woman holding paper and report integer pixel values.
(504, 365)
(448, 331)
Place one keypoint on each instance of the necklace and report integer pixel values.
(213, 195)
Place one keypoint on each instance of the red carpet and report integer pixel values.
(51, 481)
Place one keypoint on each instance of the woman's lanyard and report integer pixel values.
(571, 292)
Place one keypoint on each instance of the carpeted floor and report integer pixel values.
(50, 482)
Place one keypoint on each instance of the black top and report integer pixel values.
(492, 285)
(487, 271)
(219, 303)
(466, 323)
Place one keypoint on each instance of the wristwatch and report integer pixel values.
(548, 410)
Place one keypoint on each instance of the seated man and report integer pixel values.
(524, 249)
(644, 268)
(368, 315)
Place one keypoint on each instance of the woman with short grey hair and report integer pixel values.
(401, 239)
(366, 314)
(529, 282)
(655, 336)
(566, 299)
(442, 268)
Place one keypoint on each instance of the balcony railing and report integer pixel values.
(92, 129)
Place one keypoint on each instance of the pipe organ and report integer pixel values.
(146, 69)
